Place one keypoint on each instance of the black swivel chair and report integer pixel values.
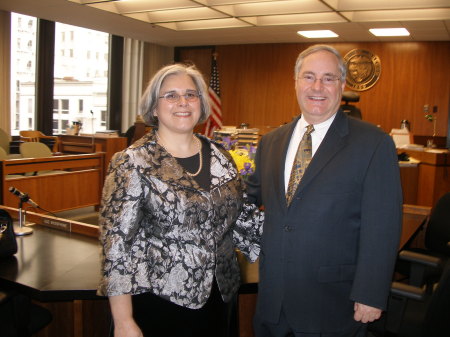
(351, 110)
(438, 229)
(437, 235)
(418, 311)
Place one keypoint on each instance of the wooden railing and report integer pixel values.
(77, 183)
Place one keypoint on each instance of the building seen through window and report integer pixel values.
(23, 68)
(80, 81)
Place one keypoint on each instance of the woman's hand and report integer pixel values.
(127, 329)
(122, 312)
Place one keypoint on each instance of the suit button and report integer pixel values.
(287, 228)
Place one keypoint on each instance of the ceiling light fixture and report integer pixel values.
(317, 34)
(389, 31)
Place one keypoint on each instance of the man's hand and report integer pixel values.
(366, 314)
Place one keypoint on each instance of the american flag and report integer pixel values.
(215, 119)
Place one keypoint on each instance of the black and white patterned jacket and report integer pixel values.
(162, 233)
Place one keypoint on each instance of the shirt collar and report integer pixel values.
(317, 127)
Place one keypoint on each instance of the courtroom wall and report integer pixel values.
(257, 85)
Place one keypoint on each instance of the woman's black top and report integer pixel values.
(191, 164)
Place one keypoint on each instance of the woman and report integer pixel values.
(169, 207)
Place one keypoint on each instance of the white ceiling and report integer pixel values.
(176, 22)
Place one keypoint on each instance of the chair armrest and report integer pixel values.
(422, 259)
(408, 291)
(423, 268)
(49, 137)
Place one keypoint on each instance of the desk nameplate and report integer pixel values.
(56, 223)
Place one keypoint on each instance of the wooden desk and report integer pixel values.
(433, 177)
(60, 270)
(409, 175)
(109, 145)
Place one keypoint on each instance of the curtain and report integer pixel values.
(141, 61)
(5, 71)
(133, 54)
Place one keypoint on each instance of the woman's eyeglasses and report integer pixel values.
(173, 97)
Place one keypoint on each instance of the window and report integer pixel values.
(60, 112)
(61, 106)
(30, 106)
(78, 88)
(81, 69)
(65, 106)
(64, 125)
(16, 117)
(103, 118)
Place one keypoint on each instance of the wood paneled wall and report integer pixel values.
(257, 85)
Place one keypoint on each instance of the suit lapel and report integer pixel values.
(333, 142)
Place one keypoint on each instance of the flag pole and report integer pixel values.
(214, 122)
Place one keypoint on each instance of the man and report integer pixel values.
(330, 241)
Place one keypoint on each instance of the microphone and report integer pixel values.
(23, 196)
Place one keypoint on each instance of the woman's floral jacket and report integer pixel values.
(162, 233)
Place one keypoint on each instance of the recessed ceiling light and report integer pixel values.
(389, 31)
(311, 34)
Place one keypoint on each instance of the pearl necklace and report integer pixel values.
(199, 147)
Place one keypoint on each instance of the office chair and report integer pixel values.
(137, 130)
(3, 154)
(418, 311)
(5, 141)
(38, 136)
(351, 110)
(437, 235)
(438, 229)
(34, 150)
(37, 150)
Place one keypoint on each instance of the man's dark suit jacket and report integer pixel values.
(337, 242)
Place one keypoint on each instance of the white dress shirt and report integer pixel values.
(320, 130)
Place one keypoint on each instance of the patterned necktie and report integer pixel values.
(301, 161)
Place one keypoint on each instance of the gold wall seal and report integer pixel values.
(363, 69)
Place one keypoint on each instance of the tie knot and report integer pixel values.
(309, 129)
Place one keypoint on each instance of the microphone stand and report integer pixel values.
(22, 230)
(92, 126)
